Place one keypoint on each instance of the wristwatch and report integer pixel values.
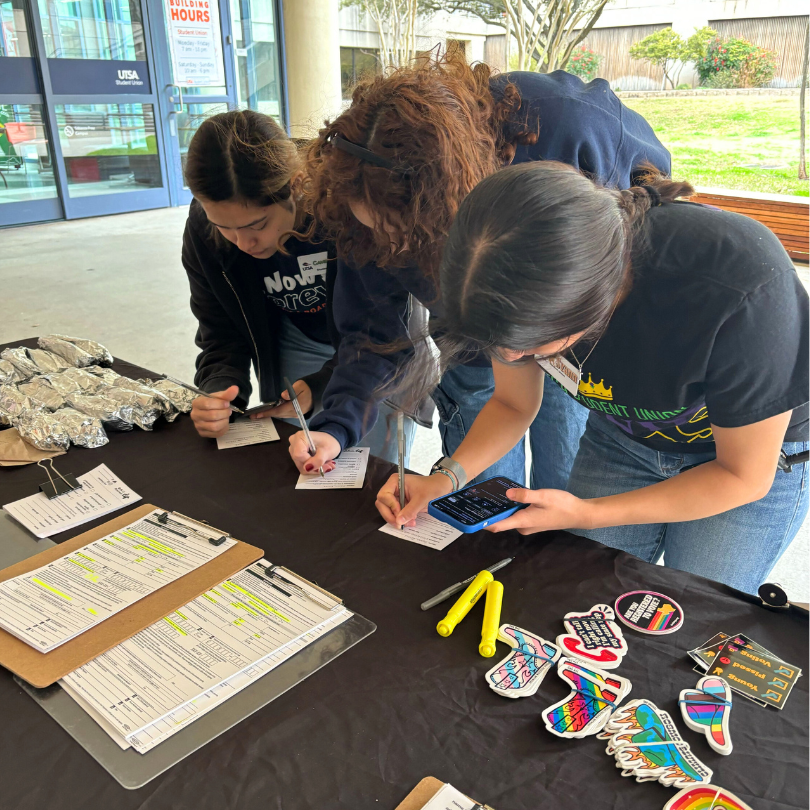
(454, 468)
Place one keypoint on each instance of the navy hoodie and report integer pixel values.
(583, 125)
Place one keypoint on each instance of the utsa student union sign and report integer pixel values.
(195, 40)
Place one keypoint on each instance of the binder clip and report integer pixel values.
(773, 595)
(54, 487)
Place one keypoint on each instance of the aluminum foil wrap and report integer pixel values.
(13, 403)
(84, 430)
(77, 381)
(181, 398)
(43, 393)
(9, 373)
(99, 353)
(43, 430)
(114, 414)
(47, 362)
(21, 361)
(145, 408)
(72, 354)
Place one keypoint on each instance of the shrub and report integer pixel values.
(735, 63)
(584, 63)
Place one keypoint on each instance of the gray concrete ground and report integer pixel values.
(119, 280)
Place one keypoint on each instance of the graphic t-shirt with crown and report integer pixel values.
(713, 331)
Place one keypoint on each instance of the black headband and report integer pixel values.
(364, 154)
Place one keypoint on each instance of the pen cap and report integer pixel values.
(475, 590)
(492, 619)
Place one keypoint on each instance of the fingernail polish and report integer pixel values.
(309, 467)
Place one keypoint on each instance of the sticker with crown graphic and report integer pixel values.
(595, 390)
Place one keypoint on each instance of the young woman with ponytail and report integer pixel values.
(385, 180)
(689, 329)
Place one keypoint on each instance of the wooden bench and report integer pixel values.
(787, 217)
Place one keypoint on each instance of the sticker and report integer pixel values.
(593, 637)
(523, 670)
(705, 797)
(647, 745)
(595, 695)
(707, 708)
(649, 612)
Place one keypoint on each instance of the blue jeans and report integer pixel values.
(553, 436)
(738, 548)
(301, 355)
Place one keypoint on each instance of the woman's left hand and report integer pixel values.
(549, 509)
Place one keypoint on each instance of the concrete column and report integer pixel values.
(312, 48)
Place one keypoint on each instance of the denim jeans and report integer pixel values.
(301, 355)
(553, 435)
(738, 547)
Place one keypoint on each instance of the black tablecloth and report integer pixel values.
(406, 703)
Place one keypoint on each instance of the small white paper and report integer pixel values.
(101, 492)
(248, 431)
(448, 798)
(349, 472)
(427, 532)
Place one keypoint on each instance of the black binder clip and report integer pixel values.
(773, 595)
(54, 487)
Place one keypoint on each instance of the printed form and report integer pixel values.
(159, 672)
(55, 603)
(101, 492)
(242, 432)
(349, 472)
(427, 532)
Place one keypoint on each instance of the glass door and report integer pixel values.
(194, 62)
(102, 105)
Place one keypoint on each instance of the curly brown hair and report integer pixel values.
(438, 122)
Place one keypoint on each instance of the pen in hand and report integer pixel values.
(303, 422)
(197, 391)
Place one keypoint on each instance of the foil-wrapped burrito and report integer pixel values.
(21, 361)
(181, 398)
(41, 429)
(72, 354)
(77, 381)
(145, 408)
(9, 373)
(42, 392)
(14, 403)
(114, 415)
(97, 352)
(84, 430)
(47, 362)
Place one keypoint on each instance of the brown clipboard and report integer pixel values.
(43, 669)
(422, 794)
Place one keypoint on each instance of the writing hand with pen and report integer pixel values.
(327, 449)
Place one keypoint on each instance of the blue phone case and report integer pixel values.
(464, 527)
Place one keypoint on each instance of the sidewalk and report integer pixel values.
(120, 280)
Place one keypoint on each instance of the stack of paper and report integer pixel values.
(51, 605)
(153, 684)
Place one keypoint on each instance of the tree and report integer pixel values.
(546, 31)
(669, 51)
(802, 93)
(396, 27)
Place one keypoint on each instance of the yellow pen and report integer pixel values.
(474, 592)
(492, 619)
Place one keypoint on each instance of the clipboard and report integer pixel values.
(43, 669)
(423, 793)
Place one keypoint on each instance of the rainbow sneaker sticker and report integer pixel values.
(595, 695)
(593, 638)
(523, 670)
(705, 797)
(649, 612)
(707, 708)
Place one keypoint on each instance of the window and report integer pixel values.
(354, 63)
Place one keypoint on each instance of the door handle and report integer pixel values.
(179, 95)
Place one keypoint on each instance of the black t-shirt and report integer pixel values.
(713, 331)
(296, 284)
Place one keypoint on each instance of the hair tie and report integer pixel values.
(652, 193)
(366, 155)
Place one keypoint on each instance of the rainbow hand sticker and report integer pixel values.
(707, 708)
(705, 797)
(588, 708)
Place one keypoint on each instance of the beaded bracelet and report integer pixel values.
(451, 476)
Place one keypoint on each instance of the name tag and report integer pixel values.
(564, 372)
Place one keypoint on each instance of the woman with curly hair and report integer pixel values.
(385, 180)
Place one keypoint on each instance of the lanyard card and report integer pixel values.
(565, 373)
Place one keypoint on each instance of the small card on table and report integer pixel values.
(427, 532)
(242, 432)
(349, 472)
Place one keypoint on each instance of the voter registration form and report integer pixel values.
(193, 658)
(55, 603)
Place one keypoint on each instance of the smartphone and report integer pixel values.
(267, 406)
(478, 505)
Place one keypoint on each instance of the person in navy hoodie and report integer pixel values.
(384, 182)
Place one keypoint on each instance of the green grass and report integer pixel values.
(710, 138)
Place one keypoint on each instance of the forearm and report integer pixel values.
(701, 492)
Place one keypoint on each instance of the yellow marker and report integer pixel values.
(492, 619)
(474, 592)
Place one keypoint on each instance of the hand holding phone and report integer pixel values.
(478, 505)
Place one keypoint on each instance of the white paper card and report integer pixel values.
(248, 431)
(349, 472)
(448, 798)
(101, 492)
(427, 532)
(565, 373)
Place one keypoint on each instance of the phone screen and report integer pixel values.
(479, 502)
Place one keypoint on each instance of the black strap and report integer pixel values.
(361, 152)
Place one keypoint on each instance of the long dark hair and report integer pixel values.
(537, 253)
(244, 156)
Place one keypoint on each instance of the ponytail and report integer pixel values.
(654, 189)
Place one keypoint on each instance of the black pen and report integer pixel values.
(401, 458)
(198, 391)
